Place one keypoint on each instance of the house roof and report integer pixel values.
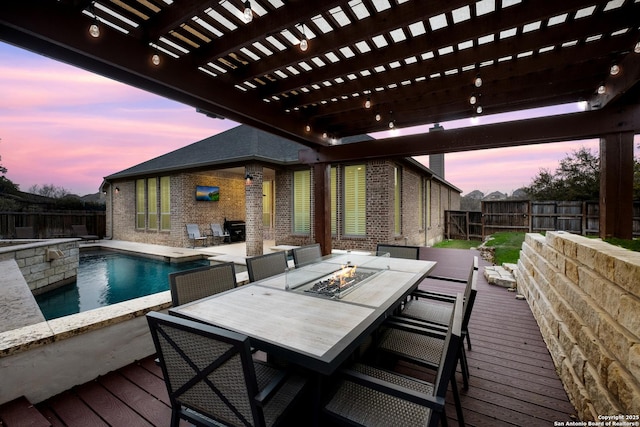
(231, 148)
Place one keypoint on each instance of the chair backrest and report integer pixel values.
(79, 229)
(451, 349)
(193, 231)
(206, 369)
(263, 266)
(307, 254)
(193, 284)
(397, 251)
(25, 233)
(470, 292)
(216, 230)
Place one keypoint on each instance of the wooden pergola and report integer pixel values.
(415, 62)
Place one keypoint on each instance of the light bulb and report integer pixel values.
(248, 13)
(601, 90)
(473, 99)
(94, 30)
(478, 81)
(378, 117)
(391, 124)
(636, 49)
(367, 103)
(324, 135)
(479, 109)
(308, 128)
(155, 59)
(304, 44)
(615, 70)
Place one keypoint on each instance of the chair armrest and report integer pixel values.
(418, 323)
(433, 402)
(434, 295)
(427, 329)
(263, 397)
(447, 279)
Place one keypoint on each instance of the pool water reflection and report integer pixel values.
(106, 278)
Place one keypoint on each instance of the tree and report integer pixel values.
(576, 178)
(49, 190)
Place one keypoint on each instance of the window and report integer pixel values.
(355, 200)
(267, 203)
(165, 203)
(140, 204)
(302, 202)
(152, 204)
(334, 200)
(397, 202)
(421, 204)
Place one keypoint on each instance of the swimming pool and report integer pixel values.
(106, 277)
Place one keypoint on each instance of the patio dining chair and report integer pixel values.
(217, 234)
(212, 378)
(368, 395)
(193, 231)
(263, 266)
(399, 251)
(190, 285)
(427, 305)
(306, 254)
(422, 344)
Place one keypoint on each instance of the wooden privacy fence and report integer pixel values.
(527, 216)
(48, 225)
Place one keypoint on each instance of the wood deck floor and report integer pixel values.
(512, 380)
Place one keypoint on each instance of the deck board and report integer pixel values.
(512, 378)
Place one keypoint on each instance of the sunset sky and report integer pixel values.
(64, 126)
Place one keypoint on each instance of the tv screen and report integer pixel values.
(207, 193)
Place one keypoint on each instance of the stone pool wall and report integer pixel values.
(45, 263)
(585, 296)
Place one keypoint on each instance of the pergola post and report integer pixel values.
(322, 206)
(616, 185)
(253, 210)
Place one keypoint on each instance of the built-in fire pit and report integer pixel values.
(343, 281)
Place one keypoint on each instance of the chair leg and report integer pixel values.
(466, 333)
(464, 367)
(456, 398)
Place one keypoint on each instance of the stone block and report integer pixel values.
(571, 270)
(596, 354)
(625, 388)
(603, 401)
(634, 361)
(628, 315)
(626, 271)
(617, 339)
(603, 265)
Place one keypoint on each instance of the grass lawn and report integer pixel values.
(507, 246)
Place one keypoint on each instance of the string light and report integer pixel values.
(478, 81)
(94, 28)
(473, 100)
(248, 13)
(601, 90)
(367, 103)
(615, 70)
(636, 49)
(304, 43)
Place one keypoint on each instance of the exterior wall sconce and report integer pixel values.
(117, 190)
(248, 179)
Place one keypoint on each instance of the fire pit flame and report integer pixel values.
(341, 281)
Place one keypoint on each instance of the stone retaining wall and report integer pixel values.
(45, 264)
(585, 296)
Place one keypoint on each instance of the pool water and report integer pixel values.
(106, 278)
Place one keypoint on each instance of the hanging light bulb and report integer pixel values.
(367, 103)
(601, 90)
(155, 59)
(615, 70)
(478, 81)
(378, 117)
(94, 29)
(479, 109)
(304, 44)
(248, 13)
(636, 48)
(473, 100)
(307, 128)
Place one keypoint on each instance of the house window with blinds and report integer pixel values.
(397, 202)
(421, 205)
(355, 200)
(140, 204)
(165, 204)
(302, 202)
(152, 204)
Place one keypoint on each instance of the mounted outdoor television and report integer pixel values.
(207, 193)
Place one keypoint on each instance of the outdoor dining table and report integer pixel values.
(312, 331)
